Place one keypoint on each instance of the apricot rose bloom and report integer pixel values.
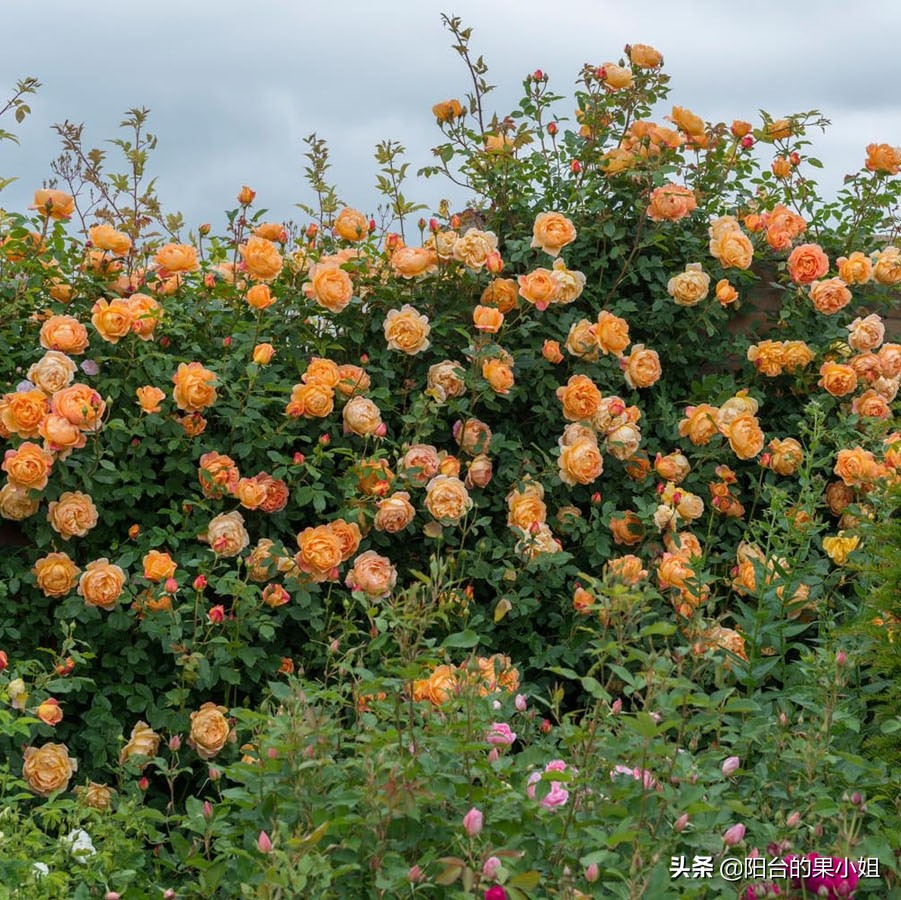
(52, 372)
(28, 466)
(611, 333)
(806, 263)
(55, 574)
(414, 262)
(502, 293)
(729, 244)
(262, 354)
(48, 768)
(886, 266)
(21, 413)
(260, 297)
(617, 77)
(627, 528)
(209, 730)
(690, 287)
(56, 204)
(580, 462)
(351, 225)
(840, 547)
(438, 688)
(64, 333)
(158, 566)
(866, 333)
(407, 330)
(642, 367)
(144, 741)
(472, 436)
(671, 202)
(487, 319)
(447, 499)
(552, 231)
(394, 513)
(643, 56)
(699, 424)
(105, 237)
(883, 158)
(447, 110)
(352, 380)
(830, 295)
(498, 374)
(580, 398)
(194, 387)
(475, 247)
(261, 259)
(373, 575)
(73, 515)
(420, 463)
(320, 553)
(113, 319)
(745, 436)
(146, 314)
(855, 269)
(16, 504)
(361, 417)
(539, 287)
(226, 534)
(177, 258)
(101, 583)
(785, 455)
(837, 379)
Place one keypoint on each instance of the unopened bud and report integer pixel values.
(592, 873)
(681, 823)
(552, 128)
(205, 229)
(575, 166)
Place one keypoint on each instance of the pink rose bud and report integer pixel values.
(734, 835)
(372, 224)
(200, 583)
(617, 706)
(592, 873)
(207, 809)
(422, 224)
(216, 614)
(493, 755)
(538, 75)
(433, 225)
(381, 430)
(414, 874)
(793, 820)
(841, 658)
(264, 845)
(472, 822)
(214, 774)
(731, 765)
(227, 341)
(171, 585)
(596, 497)
(325, 440)
(491, 867)
(111, 895)
(169, 894)
(856, 798)
(143, 783)
(298, 459)
(521, 702)
(272, 752)
(747, 142)
(494, 263)
(4, 662)
(175, 743)
(545, 726)
(495, 892)
(681, 823)
(575, 166)
(783, 719)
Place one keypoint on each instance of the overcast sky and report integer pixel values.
(233, 88)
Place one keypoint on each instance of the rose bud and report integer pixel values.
(731, 765)
(473, 821)
(264, 845)
(734, 835)
(200, 583)
(552, 128)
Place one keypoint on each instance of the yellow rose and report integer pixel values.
(320, 552)
(144, 741)
(52, 372)
(176, 258)
(48, 768)
(552, 232)
(407, 330)
(261, 259)
(55, 574)
(16, 504)
(226, 534)
(56, 204)
(373, 575)
(361, 417)
(447, 499)
(642, 367)
(611, 333)
(474, 248)
(351, 225)
(105, 237)
(194, 387)
(733, 249)
(498, 374)
(158, 566)
(28, 466)
(539, 287)
(101, 584)
(260, 297)
(839, 548)
(394, 513)
(209, 730)
(73, 515)
(690, 287)
(64, 333)
(855, 269)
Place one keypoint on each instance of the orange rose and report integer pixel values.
(320, 553)
(447, 110)
(690, 287)
(447, 499)
(420, 463)
(687, 121)
(472, 436)
(348, 535)
(611, 333)
(745, 436)
(487, 319)
(105, 237)
(617, 77)
(796, 356)
(768, 357)
(830, 295)
(699, 424)
(176, 258)
(871, 405)
(260, 297)
(312, 401)
(552, 232)
(64, 333)
(274, 595)
(672, 467)
(60, 435)
(540, 288)
(194, 387)
(733, 249)
(321, 371)
(394, 513)
(28, 466)
(886, 266)
(49, 768)
(670, 203)
(351, 225)
(725, 292)
(101, 584)
(866, 334)
(276, 498)
(855, 269)
(438, 688)
(414, 262)
(580, 397)
(807, 263)
(778, 129)
(158, 566)
(883, 158)
(526, 506)
(144, 742)
(550, 350)
(112, 319)
(56, 204)
(16, 504)
(226, 534)
(444, 380)
(146, 314)
(262, 354)
(97, 796)
(642, 367)
(250, 493)
(271, 231)
(21, 413)
(246, 195)
(582, 340)
(55, 574)
(890, 360)
(892, 445)
(643, 56)
(475, 247)
(352, 380)
(627, 528)
(372, 575)
(785, 455)
(837, 379)
(361, 417)
(406, 330)
(502, 293)
(73, 515)
(81, 405)
(261, 259)
(580, 462)
(374, 477)
(209, 730)
(626, 569)
(218, 475)
(498, 374)
(52, 372)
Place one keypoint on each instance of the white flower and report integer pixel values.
(80, 844)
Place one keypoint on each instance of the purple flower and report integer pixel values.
(834, 879)
(496, 893)
(24, 386)
(90, 367)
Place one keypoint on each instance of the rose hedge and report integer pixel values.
(640, 382)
